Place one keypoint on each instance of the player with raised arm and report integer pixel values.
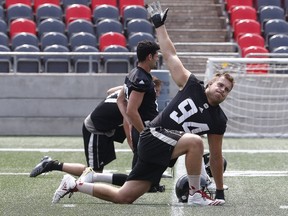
(171, 134)
(199, 110)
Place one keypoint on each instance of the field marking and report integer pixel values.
(181, 171)
(251, 151)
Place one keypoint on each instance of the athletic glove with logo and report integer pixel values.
(158, 17)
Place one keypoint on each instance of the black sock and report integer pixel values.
(119, 179)
(220, 194)
(55, 165)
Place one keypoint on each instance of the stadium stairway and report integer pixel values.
(198, 26)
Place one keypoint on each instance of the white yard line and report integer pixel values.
(251, 151)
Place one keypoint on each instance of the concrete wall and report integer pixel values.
(53, 104)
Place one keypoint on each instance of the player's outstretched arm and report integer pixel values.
(179, 74)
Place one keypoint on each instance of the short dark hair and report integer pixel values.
(144, 48)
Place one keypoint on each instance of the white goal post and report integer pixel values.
(258, 104)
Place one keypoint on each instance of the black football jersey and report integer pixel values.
(106, 116)
(141, 81)
(190, 112)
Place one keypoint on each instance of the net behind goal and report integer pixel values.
(258, 104)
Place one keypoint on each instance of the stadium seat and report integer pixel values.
(275, 26)
(38, 3)
(56, 63)
(242, 12)
(123, 3)
(252, 52)
(111, 38)
(135, 38)
(19, 11)
(51, 38)
(22, 25)
(280, 52)
(5, 60)
(250, 39)
(3, 26)
(77, 11)
(67, 3)
(116, 63)
(80, 25)
(139, 25)
(248, 51)
(82, 62)
(82, 38)
(108, 25)
(24, 38)
(105, 12)
(281, 49)
(27, 63)
(95, 3)
(270, 12)
(133, 12)
(9, 3)
(261, 3)
(277, 40)
(4, 39)
(246, 26)
(232, 3)
(45, 11)
(51, 25)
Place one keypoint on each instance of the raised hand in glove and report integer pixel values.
(158, 17)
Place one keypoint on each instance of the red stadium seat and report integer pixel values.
(8, 3)
(111, 38)
(77, 11)
(37, 3)
(246, 26)
(250, 39)
(22, 25)
(124, 3)
(256, 68)
(232, 3)
(95, 3)
(242, 12)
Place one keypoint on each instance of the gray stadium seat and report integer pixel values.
(82, 62)
(27, 63)
(116, 63)
(56, 63)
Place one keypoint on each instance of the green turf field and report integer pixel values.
(257, 174)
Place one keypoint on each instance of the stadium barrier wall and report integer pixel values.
(55, 104)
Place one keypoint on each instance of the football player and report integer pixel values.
(174, 132)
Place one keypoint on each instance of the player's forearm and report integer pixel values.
(135, 120)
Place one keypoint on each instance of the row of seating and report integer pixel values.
(52, 32)
(257, 4)
(256, 26)
(72, 12)
(65, 3)
(61, 60)
(85, 27)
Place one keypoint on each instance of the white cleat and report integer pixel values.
(200, 198)
(67, 185)
(87, 176)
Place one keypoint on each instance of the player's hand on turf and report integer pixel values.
(158, 17)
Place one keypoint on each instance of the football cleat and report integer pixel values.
(41, 167)
(67, 186)
(87, 175)
(200, 198)
(157, 188)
